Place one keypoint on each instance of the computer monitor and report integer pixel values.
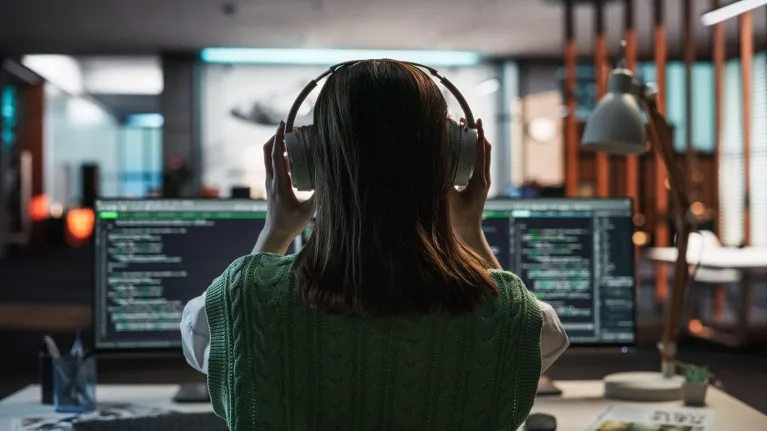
(153, 256)
(575, 254)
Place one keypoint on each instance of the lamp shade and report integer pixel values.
(616, 126)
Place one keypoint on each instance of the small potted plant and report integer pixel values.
(695, 386)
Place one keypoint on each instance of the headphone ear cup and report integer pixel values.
(463, 143)
(298, 144)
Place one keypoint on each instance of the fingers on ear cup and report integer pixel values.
(297, 145)
(463, 142)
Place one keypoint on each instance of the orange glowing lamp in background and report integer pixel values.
(210, 192)
(79, 224)
(38, 208)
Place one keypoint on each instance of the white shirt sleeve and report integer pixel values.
(195, 334)
(554, 340)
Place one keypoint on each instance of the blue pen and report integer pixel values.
(77, 347)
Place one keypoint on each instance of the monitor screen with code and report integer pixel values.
(153, 256)
(575, 254)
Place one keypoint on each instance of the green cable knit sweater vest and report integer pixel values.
(277, 364)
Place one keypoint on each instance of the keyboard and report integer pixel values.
(166, 422)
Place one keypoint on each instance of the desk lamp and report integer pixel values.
(616, 127)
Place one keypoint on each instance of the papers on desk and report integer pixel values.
(51, 422)
(64, 422)
(652, 418)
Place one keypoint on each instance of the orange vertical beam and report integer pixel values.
(632, 162)
(571, 125)
(600, 61)
(661, 193)
(746, 62)
(30, 138)
(720, 294)
(32, 132)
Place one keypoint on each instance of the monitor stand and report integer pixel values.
(547, 388)
(192, 393)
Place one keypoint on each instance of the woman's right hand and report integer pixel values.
(467, 205)
(286, 215)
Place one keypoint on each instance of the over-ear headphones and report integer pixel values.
(463, 138)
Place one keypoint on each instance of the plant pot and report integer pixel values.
(694, 394)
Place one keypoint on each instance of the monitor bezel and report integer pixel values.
(634, 287)
(162, 351)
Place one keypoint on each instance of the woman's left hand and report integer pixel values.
(286, 215)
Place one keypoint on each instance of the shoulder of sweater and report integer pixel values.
(254, 275)
(261, 262)
(508, 280)
(258, 271)
(512, 287)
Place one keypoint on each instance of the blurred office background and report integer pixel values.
(118, 99)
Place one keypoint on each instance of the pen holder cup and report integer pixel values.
(74, 384)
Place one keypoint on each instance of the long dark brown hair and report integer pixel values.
(383, 241)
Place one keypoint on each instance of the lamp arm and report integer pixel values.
(685, 224)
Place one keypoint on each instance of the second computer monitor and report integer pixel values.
(575, 254)
(153, 256)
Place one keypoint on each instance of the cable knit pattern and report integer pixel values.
(277, 364)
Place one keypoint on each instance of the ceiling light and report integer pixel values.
(334, 56)
(60, 70)
(128, 76)
(730, 11)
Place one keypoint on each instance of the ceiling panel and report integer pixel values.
(505, 27)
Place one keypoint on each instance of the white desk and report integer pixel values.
(26, 402)
(744, 260)
(715, 257)
(579, 405)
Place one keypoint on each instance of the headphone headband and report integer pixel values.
(468, 116)
(463, 137)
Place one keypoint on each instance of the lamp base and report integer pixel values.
(643, 386)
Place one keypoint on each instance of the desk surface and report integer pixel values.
(579, 405)
(715, 257)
